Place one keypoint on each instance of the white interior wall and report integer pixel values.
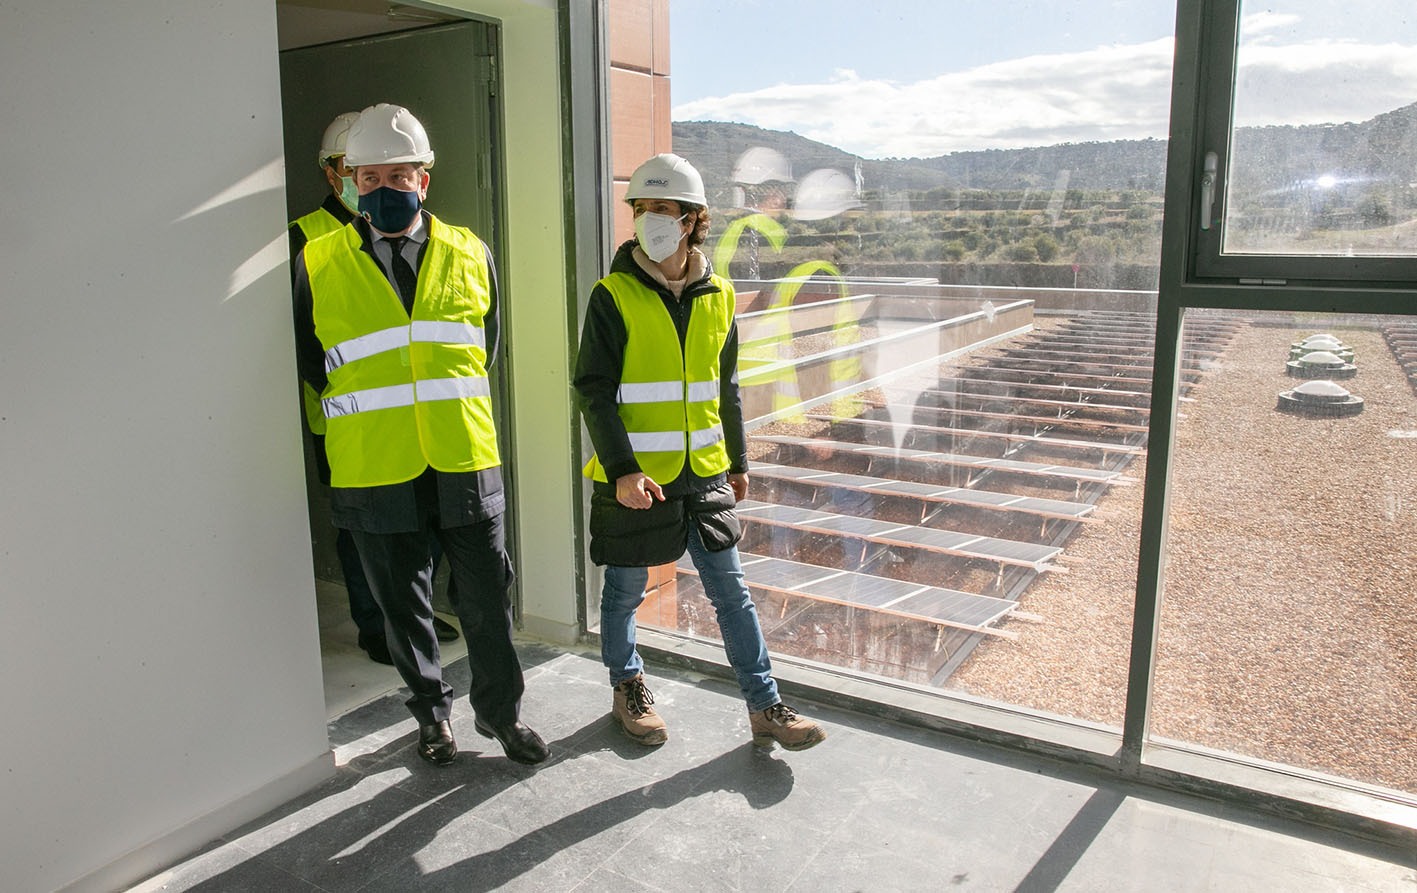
(159, 642)
(159, 645)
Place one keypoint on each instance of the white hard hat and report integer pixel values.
(762, 165)
(332, 143)
(825, 192)
(668, 177)
(387, 134)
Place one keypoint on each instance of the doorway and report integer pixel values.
(339, 57)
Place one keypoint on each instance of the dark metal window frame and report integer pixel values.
(1195, 275)
(1207, 35)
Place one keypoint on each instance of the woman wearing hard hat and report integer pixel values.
(657, 377)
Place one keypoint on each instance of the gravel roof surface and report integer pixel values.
(1289, 620)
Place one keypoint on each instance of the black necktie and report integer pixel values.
(403, 274)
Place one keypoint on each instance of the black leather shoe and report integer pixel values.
(436, 744)
(377, 649)
(444, 630)
(521, 744)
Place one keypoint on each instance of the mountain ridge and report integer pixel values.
(1274, 157)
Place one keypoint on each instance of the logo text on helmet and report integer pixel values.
(657, 181)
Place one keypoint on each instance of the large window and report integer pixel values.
(1019, 438)
(1280, 634)
(1287, 627)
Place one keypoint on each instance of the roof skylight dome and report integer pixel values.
(1322, 341)
(1321, 364)
(1320, 397)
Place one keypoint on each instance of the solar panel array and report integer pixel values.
(1051, 508)
(937, 415)
(1402, 339)
(982, 463)
(932, 604)
(1062, 370)
(950, 542)
(898, 429)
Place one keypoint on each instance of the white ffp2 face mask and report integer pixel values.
(659, 234)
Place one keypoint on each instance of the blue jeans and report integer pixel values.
(722, 578)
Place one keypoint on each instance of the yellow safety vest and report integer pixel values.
(315, 224)
(669, 399)
(405, 392)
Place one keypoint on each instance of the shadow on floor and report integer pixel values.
(878, 806)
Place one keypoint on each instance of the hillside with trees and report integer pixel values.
(1084, 213)
(1383, 147)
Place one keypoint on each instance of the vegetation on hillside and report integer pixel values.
(1087, 214)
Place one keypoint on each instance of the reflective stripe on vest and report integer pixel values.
(424, 391)
(657, 441)
(398, 337)
(405, 393)
(668, 399)
(706, 437)
(673, 441)
(663, 391)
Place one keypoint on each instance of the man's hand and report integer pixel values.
(739, 483)
(633, 491)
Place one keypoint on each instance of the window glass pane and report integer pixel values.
(945, 266)
(1288, 631)
(1323, 152)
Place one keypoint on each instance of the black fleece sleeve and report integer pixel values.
(599, 364)
(297, 245)
(492, 322)
(309, 355)
(730, 408)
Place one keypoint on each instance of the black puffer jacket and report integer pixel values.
(643, 538)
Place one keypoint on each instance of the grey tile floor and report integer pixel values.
(878, 806)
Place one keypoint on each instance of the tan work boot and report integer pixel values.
(632, 710)
(781, 723)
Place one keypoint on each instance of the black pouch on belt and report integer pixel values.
(712, 513)
(628, 537)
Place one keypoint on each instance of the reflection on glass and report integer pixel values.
(1288, 631)
(1323, 155)
(945, 359)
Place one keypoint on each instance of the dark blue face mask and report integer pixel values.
(389, 210)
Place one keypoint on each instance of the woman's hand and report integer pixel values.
(739, 483)
(633, 491)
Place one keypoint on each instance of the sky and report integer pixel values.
(916, 79)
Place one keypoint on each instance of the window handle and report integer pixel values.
(1208, 188)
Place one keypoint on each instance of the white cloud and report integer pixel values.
(1323, 81)
(1110, 92)
(1266, 21)
(1107, 93)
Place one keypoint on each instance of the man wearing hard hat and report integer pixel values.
(338, 209)
(396, 324)
(657, 377)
